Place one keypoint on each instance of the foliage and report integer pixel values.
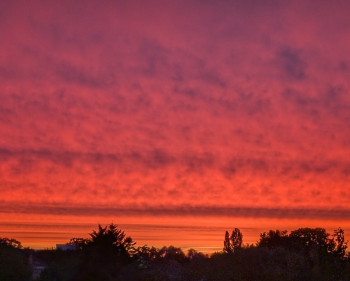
(99, 257)
(234, 242)
(324, 254)
(306, 240)
(79, 243)
(227, 243)
(104, 254)
(305, 254)
(340, 245)
(273, 239)
(14, 261)
(172, 253)
(10, 242)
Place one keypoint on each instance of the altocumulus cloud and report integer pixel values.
(136, 103)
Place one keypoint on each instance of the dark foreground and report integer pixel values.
(304, 254)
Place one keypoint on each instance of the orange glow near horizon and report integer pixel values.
(203, 234)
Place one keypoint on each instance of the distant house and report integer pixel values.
(66, 247)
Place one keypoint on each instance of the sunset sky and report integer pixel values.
(187, 117)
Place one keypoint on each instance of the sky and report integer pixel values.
(173, 114)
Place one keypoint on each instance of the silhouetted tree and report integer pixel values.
(110, 237)
(172, 253)
(79, 243)
(273, 239)
(324, 254)
(11, 243)
(234, 242)
(14, 262)
(192, 254)
(227, 243)
(236, 239)
(104, 254)
(306, 254)
(305, 239)
(309, 237)
(147, 253)
(340, 243)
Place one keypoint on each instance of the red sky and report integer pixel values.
(186, 110)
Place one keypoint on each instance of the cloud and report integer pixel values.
(242, 102)
(72, 74)
(148, 177)
(182, 210)
(292, 63)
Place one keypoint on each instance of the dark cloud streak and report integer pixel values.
(186, 210)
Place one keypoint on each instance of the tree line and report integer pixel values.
(109, 255)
